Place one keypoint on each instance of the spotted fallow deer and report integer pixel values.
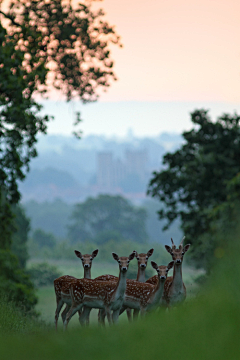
(142, 264)
(62, 284)
(174, 289)
(143, 296)
(107, 295)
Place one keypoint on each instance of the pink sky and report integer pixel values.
(174, 50)
(181, 55)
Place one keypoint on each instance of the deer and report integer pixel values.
(107, 295)
(62, 284)
(174, 289)
(145, 297)
(142, 264)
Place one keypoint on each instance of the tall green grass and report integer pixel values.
(206, 327)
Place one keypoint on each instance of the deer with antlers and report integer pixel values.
(174, 289)
(62, 285)
(142, 264)
(144, 296)
(107, 295)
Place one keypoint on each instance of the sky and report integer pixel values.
(176, 56)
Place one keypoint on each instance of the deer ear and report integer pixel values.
(154, 265)
(169, 249)
(94, 253)
(170, 265)
(131, 256)
(186, 248)
(78, 254)
(136, 254)
(115, 256)
(150, 252)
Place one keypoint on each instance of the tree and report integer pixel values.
(44, 43)
(105, 218)
(194, 179)
(44, 239)
(47, 43)
(20, 235)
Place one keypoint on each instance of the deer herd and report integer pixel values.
(113, 295)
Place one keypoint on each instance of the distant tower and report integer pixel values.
(105, 173)
(136, 162)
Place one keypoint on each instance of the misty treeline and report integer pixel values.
(42, 43)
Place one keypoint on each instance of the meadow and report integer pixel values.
(204, 327)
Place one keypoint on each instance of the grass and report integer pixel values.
(204, 328)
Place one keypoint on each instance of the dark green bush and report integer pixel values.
(15, 284)
(43, 274)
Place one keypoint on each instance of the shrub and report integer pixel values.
(43, 274)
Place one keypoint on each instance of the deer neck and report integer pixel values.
(121, 285)
(158, 292)
(141, 274)
(177, 283)
(87, 273)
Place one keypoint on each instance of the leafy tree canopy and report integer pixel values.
(47, 43)
(70, 43)
(43, 239)
(194, 179)
(107, 218)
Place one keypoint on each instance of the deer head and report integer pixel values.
(143, 258)
(86, 259)
(177, 254)
(123, 261)
(162, 270)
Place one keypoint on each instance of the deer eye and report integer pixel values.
(146, 257)
(137, 258)
(167, 270)
(119, 261)
(90, 258)
(182, 253)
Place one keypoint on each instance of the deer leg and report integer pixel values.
(84, 318)
(64, 313)
(109, 315)
(101, 317)
(115, 316)
(135, 314)
(59, 307)
(143, 312)
(129, 314)
(71, 312)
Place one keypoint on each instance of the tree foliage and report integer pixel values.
(20, 235)
(42, 238)
(47, 43)
(194, 179)
(19, 117)
(71, 41)
(107, 218)
(42, 43)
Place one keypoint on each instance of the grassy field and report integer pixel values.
(206, 327)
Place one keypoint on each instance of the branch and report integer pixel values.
(10, 18)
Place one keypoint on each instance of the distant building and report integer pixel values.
(136, 162)
(111, 173)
